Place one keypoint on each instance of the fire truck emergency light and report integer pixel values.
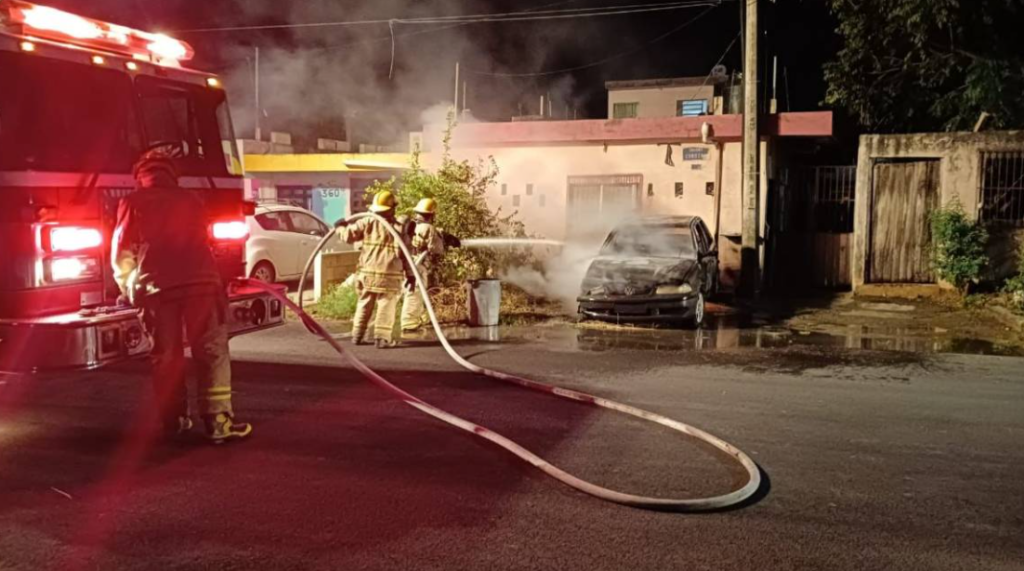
(50, 23)
(233, 230)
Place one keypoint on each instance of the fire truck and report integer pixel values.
(80, 100)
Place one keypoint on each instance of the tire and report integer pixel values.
(264, 271)
(698, 312)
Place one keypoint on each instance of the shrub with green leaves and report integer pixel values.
(460, 188)
(1015, 285)
(958, 246)
(338, 303)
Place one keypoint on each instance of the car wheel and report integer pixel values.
(263, 272)
(698, 312)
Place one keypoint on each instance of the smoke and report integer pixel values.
(341, 82)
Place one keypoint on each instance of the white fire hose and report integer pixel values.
(663, 504)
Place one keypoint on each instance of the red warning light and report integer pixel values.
(50, 23)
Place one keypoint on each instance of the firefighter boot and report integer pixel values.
(222, 428)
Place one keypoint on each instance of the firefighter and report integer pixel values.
(428, 245)
(164, 266)
(381, 274)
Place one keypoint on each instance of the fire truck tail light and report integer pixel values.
(72, 269)
(231, 230)
(28, 47)
(74, 238)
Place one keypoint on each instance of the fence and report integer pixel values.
(812, 226)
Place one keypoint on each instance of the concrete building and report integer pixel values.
(902, 179)
(674, 97)
(331, 185)
(575, 179)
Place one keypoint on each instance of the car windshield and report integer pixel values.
(651, 241)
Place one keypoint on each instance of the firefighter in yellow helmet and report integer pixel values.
(428, 245)
(381, 273)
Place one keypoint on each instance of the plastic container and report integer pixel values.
(484, 302)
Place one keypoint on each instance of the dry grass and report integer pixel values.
(517, 306)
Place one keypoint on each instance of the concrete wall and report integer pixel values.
(331, 269)
(959, 178)
(659, 101)
(545, 212)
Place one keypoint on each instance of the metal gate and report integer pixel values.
(596, 203)
(811, 227)
(903, 196)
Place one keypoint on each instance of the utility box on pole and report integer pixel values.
(750, 257)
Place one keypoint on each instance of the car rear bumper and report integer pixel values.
(646, 308)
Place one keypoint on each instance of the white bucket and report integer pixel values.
(484, 302)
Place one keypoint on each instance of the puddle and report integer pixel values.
(733, 332)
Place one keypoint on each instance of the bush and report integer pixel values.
(1015, 286)
(460, 188)
(958, 244)
(339, 303)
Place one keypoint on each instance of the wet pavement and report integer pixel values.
(729, 332)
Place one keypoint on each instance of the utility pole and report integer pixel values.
(750, 257)
(256, 86)
(456, 90)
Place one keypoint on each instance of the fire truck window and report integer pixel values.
(184, 115)
(65, 117)
(227, 138)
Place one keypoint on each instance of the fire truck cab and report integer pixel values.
(80, 100)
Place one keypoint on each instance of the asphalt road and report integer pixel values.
(873, 460)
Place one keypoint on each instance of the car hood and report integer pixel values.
(640, 272)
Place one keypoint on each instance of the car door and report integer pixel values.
(309, 230)
(276, 242)
(708, 257)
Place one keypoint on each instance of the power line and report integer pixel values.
(675, 30)
(521, 16)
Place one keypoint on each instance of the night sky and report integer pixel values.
(313, 80)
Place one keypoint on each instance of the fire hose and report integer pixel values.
(662, 504)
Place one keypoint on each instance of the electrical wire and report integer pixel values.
(638, 49)
(521, 16)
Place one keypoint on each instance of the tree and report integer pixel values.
(928, 65)
(460, 188)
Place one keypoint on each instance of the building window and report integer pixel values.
(504, 189)
(692, 107)
(1002, 188)
(679, 190)
(529, 190)
(515, 200)
(625, 110)
(542, 200)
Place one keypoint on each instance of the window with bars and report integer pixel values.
(625, 110)
(1002, 188)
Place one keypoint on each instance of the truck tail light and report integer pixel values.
(72, 239)
(230, 230)
(68, 269)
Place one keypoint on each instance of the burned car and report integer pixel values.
(652, 269)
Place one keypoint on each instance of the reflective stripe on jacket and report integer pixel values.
(380, 260)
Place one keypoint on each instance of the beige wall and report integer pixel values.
(659, 101)
(959, 174)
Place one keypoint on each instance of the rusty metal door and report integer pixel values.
(904, 195)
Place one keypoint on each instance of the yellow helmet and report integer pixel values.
(383, 201)
(426, 206)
